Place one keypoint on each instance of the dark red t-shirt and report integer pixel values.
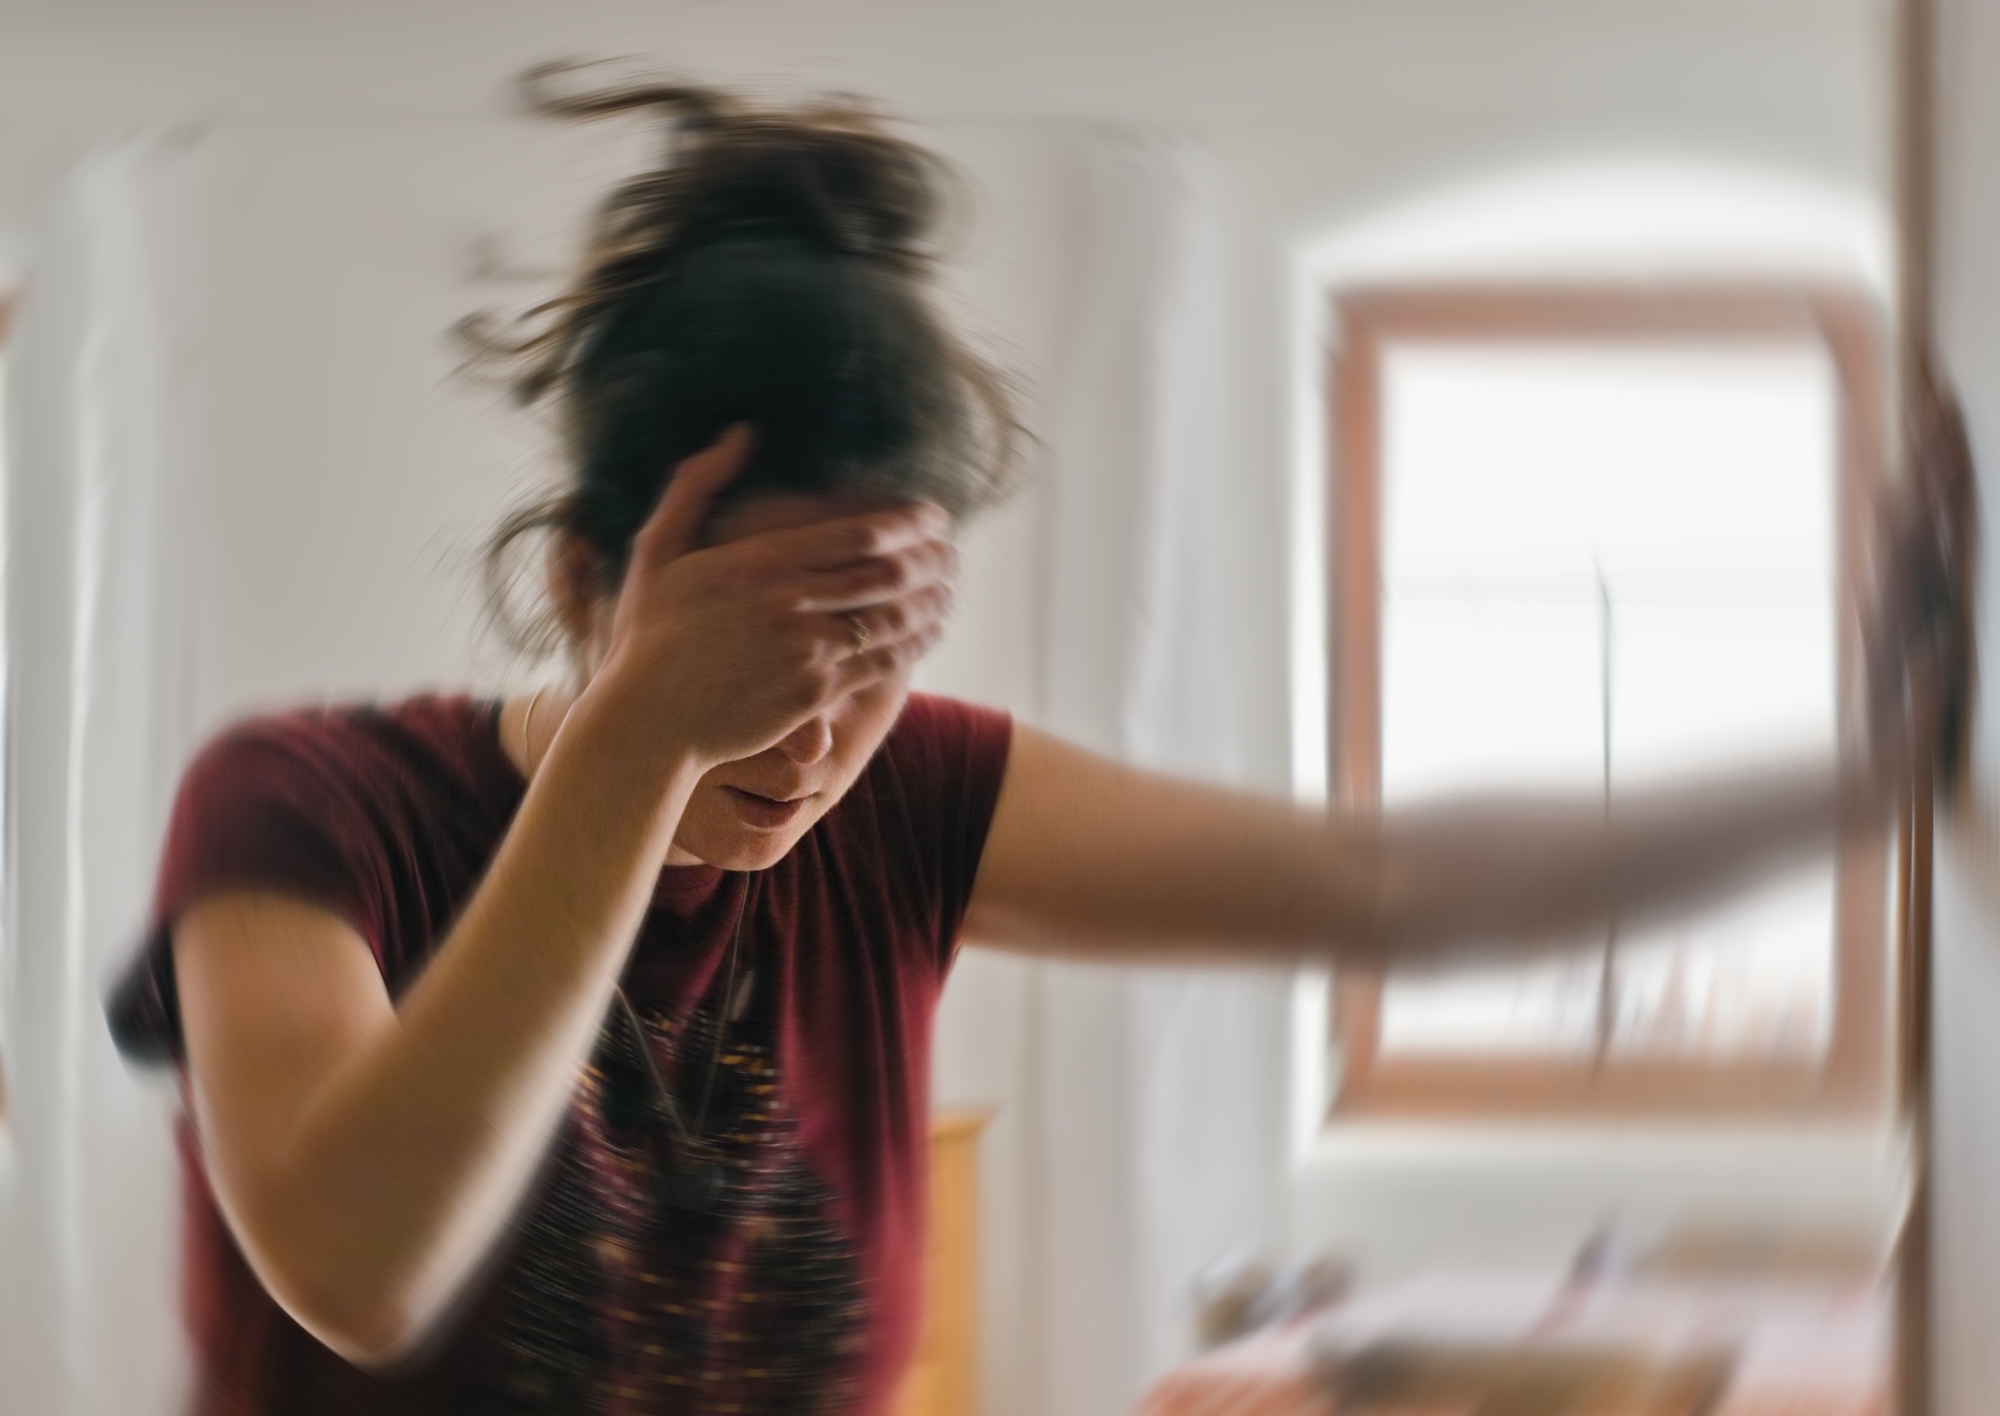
(786, 1275)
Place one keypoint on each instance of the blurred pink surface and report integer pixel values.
(1803, 1349)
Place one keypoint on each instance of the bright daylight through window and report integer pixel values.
(1604, 558)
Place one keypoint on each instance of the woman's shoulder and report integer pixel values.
(380, 813)
(431, 739)
(944, 750)
(920, 813)
(932, 721)
(338, 792)
(938, 773)
(444, 718)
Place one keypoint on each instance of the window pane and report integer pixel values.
(1490, 692)
(1678, 462)
(1547, 1010)
(1750, 981)
(1633, 539)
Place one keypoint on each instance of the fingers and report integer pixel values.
(882, 661)
(674, 528)
(874, 620)
(915, 567)
(863, 647)
(1917, 626)
(1936, 528)
(844, 541)
(886, 624)
(1943, 486)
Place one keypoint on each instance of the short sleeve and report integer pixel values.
(950, 759)
(269, 806)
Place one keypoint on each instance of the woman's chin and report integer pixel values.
(758, 855)
(737, 849)
(736, 829)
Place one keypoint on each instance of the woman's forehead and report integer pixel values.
(781, 511)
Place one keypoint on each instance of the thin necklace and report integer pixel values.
(528, 732)
(697, 1178)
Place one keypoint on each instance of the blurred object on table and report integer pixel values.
(1644, 1328)
(1719, 1251)
(1244, 1292)
(1227, 1295)
(1556, 1380)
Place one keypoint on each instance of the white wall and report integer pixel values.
(357, 149)
(1383, 94)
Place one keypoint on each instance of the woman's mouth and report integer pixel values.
(765, 813)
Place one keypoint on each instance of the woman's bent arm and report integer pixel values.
(1087, 856)
(367, 1158)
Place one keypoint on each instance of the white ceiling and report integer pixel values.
(1798, 80)
(1197, 60)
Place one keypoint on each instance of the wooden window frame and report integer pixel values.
(1852, 1078)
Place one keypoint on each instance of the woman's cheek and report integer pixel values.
(866, 722)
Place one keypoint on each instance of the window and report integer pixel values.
(1584, 537)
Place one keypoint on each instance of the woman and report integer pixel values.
(569, 1054)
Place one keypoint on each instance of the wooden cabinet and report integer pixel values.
(944, 1379)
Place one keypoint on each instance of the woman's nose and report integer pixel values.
(809, 741)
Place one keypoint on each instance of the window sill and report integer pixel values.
(1430, 1141)
(1395, 1198)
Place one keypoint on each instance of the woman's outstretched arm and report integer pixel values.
(1087, 856)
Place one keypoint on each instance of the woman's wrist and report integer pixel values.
(614, 720)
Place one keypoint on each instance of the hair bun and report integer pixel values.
(772, 269)
(829, 174)
(841, 185)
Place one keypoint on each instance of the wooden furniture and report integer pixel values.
(944, 1379)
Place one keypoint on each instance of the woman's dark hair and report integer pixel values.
(774, 270)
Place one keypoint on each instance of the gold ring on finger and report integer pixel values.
(862, 634)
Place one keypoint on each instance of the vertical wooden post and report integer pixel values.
(1914, 147)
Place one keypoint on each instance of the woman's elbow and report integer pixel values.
(375, 1331)
(358, 1306)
